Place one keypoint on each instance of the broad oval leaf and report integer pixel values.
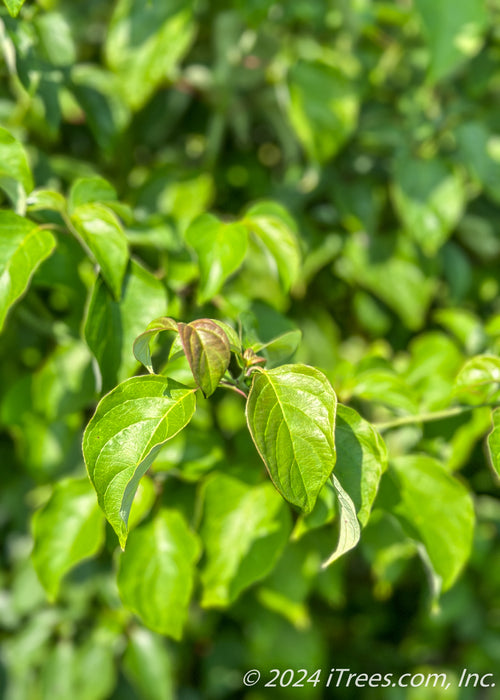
(220, 248)
(90, 190)
(23, 246)
(148, 666)
(479, 380)
(15, 174)
(291, 417)
(129, 426)
(244, 531)
(274, 227)
(494, 442)
(436, 509)
(68, 529)
(155, 578)
(102, 233)
(207, 350)
(111, 326)
(142, 344)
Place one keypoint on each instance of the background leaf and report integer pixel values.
(67, 530)
(23, 246)
(155, 578)
(102, 232)
(244, 531)
(220, 249)
(111, 326)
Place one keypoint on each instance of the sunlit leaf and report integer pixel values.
(142, 344)
(23, 246)
(208, 352)
(494, 441)
(129, 426)
(291, 417)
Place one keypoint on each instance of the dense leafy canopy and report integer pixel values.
(249, 286)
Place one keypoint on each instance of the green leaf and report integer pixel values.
(479, 380)
(155, 578)
(291, 417)
(494, 441)
(130, 425)
(323, 108)
(454, 32)
(15, 173)
(361, 459)
(429, 198)
(437, 510)
(13, 6)
(244, 531)
(103, 234)
(220, 249)
(41, 199)
(67, 530)
(276, 230)
(349, 530)
(112, 326)
(147, 663)
(142, 344)
(208, 352)
(23, 246)
(90, 190)
(280, 349)
(136, 41)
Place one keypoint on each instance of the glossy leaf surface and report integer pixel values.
(207, 350)
(129, 426)
(291, 417)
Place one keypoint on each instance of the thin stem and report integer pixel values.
(427, 417)
(229, 385)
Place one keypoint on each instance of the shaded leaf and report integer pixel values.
(435, 509)
(361, 459)
(147, 663)
(207, 350)
(291, 417)
(111, 326)
(454, 31)
(244, 530)
(323, 108)
(479, 380)
(130, 425)
(349, 530)
(142, 344)
(276, 230)
(23, 246)
(429, 198)
(494, 441)
(68, 529)
(136, 41)
(14, 167)
(155, 577)
(103, 234)
(220, 249)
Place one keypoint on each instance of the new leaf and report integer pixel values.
(208, 352)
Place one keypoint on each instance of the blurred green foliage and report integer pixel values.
(359, 142)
